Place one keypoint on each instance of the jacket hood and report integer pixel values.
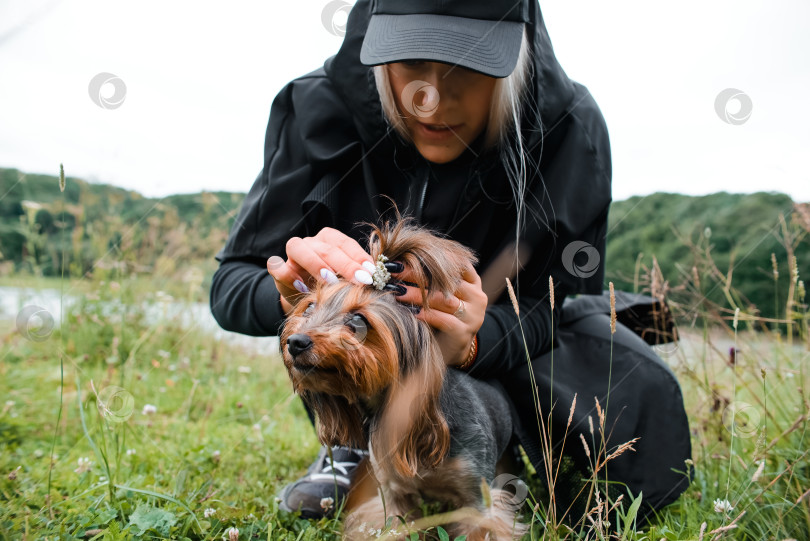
(550, 88)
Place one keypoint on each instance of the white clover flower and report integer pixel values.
(38, 453)
(130, 452)
(163, 353)
(209, 512)
(216, 456)
(722, 506)
(84, 465)
(148, 409)
(327, 503)
(233, 533)
(250, 516)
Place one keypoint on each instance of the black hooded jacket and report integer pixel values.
(330, 156)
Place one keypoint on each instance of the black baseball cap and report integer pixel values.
(481, 35)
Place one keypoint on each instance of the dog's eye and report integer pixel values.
(310, 308)
(358, 324)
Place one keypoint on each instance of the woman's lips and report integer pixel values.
(437, 132)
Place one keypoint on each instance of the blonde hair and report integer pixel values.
(503, 123)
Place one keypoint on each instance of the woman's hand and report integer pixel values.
(455, 330)
(328, 256)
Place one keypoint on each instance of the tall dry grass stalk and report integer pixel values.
(598, 515)
(551, 375)
(612, 309)
(512, 297)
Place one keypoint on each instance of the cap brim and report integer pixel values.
(489, 47)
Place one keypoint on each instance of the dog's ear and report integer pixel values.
(436, 262)
(339, 422)
(412, 436)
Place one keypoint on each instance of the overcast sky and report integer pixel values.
(200, 77)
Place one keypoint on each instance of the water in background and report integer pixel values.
(13, 300)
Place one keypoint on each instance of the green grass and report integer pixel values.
(227, 433)
(750, 441)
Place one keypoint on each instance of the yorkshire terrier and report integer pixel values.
(373, 375)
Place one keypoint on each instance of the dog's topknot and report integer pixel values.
(435, 263)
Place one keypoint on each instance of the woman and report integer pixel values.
(459, 113)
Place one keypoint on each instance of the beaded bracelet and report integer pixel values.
(472, 355)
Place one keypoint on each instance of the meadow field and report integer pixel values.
(121, 419)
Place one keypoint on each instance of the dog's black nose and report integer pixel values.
(298, 343)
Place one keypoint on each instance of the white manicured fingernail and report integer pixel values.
(369, 266)
(363, 277)
(299, 285)
(329, 276)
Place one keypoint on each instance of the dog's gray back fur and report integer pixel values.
(479, 418)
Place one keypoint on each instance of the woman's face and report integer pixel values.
(445, 107)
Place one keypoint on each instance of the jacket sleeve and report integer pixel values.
(575, 176)
(302, 145)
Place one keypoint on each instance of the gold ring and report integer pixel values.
(460, 310)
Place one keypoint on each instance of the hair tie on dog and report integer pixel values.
(381, 275)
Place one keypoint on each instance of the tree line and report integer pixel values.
(741, 244)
